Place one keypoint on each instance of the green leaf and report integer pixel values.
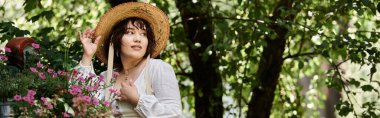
(68, 109)
(354, 82)
(373, 69)
(45, 14)
(239, 1)
(30, 5)
(300, 65)
(370, 5)
(367, 88)
(344, 108)
(35, 18)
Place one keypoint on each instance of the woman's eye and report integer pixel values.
(129, 32)
(143, 34)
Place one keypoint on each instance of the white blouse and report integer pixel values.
(165, 102)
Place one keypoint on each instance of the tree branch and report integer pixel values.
(336, 68)
(300, 54)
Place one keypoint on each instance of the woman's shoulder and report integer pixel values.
(156, 61)
(158, 64)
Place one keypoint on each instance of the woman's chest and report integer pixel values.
(139, 83)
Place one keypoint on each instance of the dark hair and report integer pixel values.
(120, 29)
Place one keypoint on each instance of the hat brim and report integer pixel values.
(157, 19)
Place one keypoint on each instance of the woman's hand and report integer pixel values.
(128, 93)
(89, 46)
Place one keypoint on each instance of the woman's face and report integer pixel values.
(134, 42)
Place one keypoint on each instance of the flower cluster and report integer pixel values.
(75, 98)
(42, 91)
(6, 73)
(84, 89)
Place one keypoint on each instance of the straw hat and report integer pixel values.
(157, 19)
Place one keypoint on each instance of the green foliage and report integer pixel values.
(323, 36)
(344, 108)
(8, 31)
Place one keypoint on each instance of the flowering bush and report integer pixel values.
(7, 86)
(40, 91)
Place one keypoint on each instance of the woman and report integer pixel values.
(128, 35)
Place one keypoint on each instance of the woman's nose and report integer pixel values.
(137, 38)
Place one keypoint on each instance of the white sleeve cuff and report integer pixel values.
(81, 65)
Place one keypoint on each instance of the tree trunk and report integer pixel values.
(207, 82)
(270, 65)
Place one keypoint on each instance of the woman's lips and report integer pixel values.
(136, 47)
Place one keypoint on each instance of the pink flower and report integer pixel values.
(101, 78)
(112, 90)
(25, 98)
(65, 114)
(95, 101)
(90, 88)
(40, 65)
(33, 69)
(60, 72)
(92, 75)
(49, 105)
(31, 93)
(87, 99)
(72, 92)
(94, 88)
(75, 89)
(106, 103)
(50, 71)
(17, 97)
(29, 99)
(55, 75)
(39, 112)
(31, 102)
(35, 45)
(81, 79)
(44, 100)
(7, 49)
(41, 75)
(5, 58)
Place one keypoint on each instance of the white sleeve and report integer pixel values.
(85, 70)
(166, 100)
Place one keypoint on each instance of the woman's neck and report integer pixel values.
(129, 63)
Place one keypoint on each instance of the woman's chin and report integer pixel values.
(135, 56)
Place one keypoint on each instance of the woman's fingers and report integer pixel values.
(130, 82)
(86, 36)
(97, 40)
(92, 32)
(85, 33)
(124, 84)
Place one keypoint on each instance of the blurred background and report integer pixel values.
(236, 58)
